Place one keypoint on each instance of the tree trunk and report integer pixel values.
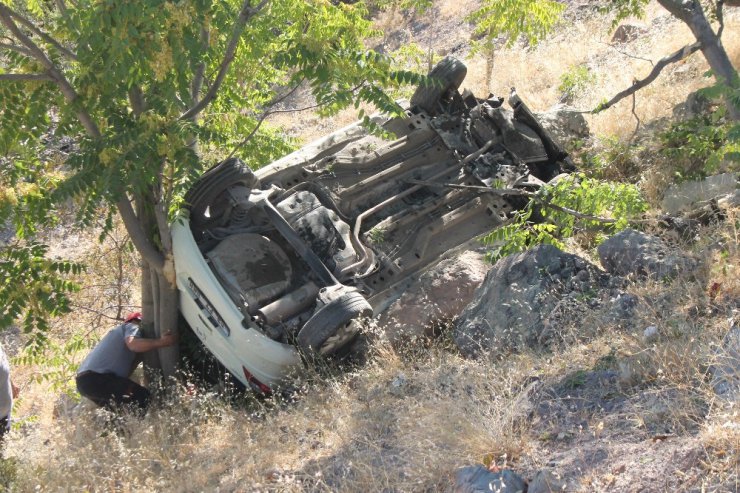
(692, 14)
(159, 296)
(168, 310)
(489, 68)
(151, 358)
(490, 57)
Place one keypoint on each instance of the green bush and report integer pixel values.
(615, 161)
(575, 81)
(701, 146)
(574, 204)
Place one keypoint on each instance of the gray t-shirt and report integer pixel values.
(6, 391)
(111, 355)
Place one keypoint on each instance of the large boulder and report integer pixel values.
(684, 196)
(529, 297)
(633, 253)
(696, 104)
(438, 296)
(628, 32)
(564, 125)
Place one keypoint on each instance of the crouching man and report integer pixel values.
(104, 375)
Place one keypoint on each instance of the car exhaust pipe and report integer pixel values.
(289, 305)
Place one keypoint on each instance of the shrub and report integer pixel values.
(616, 161)
(575, 81)
(561, 210)
(701, 146)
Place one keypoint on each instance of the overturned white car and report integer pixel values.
(287, 261)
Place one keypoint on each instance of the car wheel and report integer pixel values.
(449, 73)
(334, 325)
(206, 200)
(214, 181)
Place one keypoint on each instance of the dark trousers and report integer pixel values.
(4, 427)
(111, 391)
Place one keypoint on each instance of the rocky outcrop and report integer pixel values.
(438, 296)
(564, 125)
(528, 297)
(683, 196)
(633, 253)
(478, 479)
(628, 32)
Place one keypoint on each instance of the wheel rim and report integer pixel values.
(346, 333)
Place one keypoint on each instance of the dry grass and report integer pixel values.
(536, 72)
(407, 419)
(396, 424)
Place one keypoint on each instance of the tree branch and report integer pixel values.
(639, 84)
(628, 55)
(720, 18)
(161, 217)
(200, 70)
(274, 112)
(246, 13)
(19, 49)
(136, 99)
(572, 212)
(56, 44)
(153, 257)
(22, 77)
(634, 113)
(64, 86)
(62, 6)
(265, 115)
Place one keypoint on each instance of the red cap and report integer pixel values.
(132, 316)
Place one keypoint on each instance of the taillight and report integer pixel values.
(256, 384)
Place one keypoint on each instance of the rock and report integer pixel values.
(620, 308)
(683, 195)
(628, 32)
(440, 294)
(526, 298)
(545, 482)
(632, 252)
(696, 104)
(729, 201)
(626, 375)
(563, 124)
(726, 369)
(650, 334)
(397, 385)
(478, 479)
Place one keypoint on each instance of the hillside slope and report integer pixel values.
(614, 411)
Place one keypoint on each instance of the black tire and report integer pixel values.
(449, 74)
(334, 325)
(215, 181)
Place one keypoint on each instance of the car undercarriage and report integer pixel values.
(305, 248)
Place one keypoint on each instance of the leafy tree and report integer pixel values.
(32, 286)
(148, 87)
(707, 40)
